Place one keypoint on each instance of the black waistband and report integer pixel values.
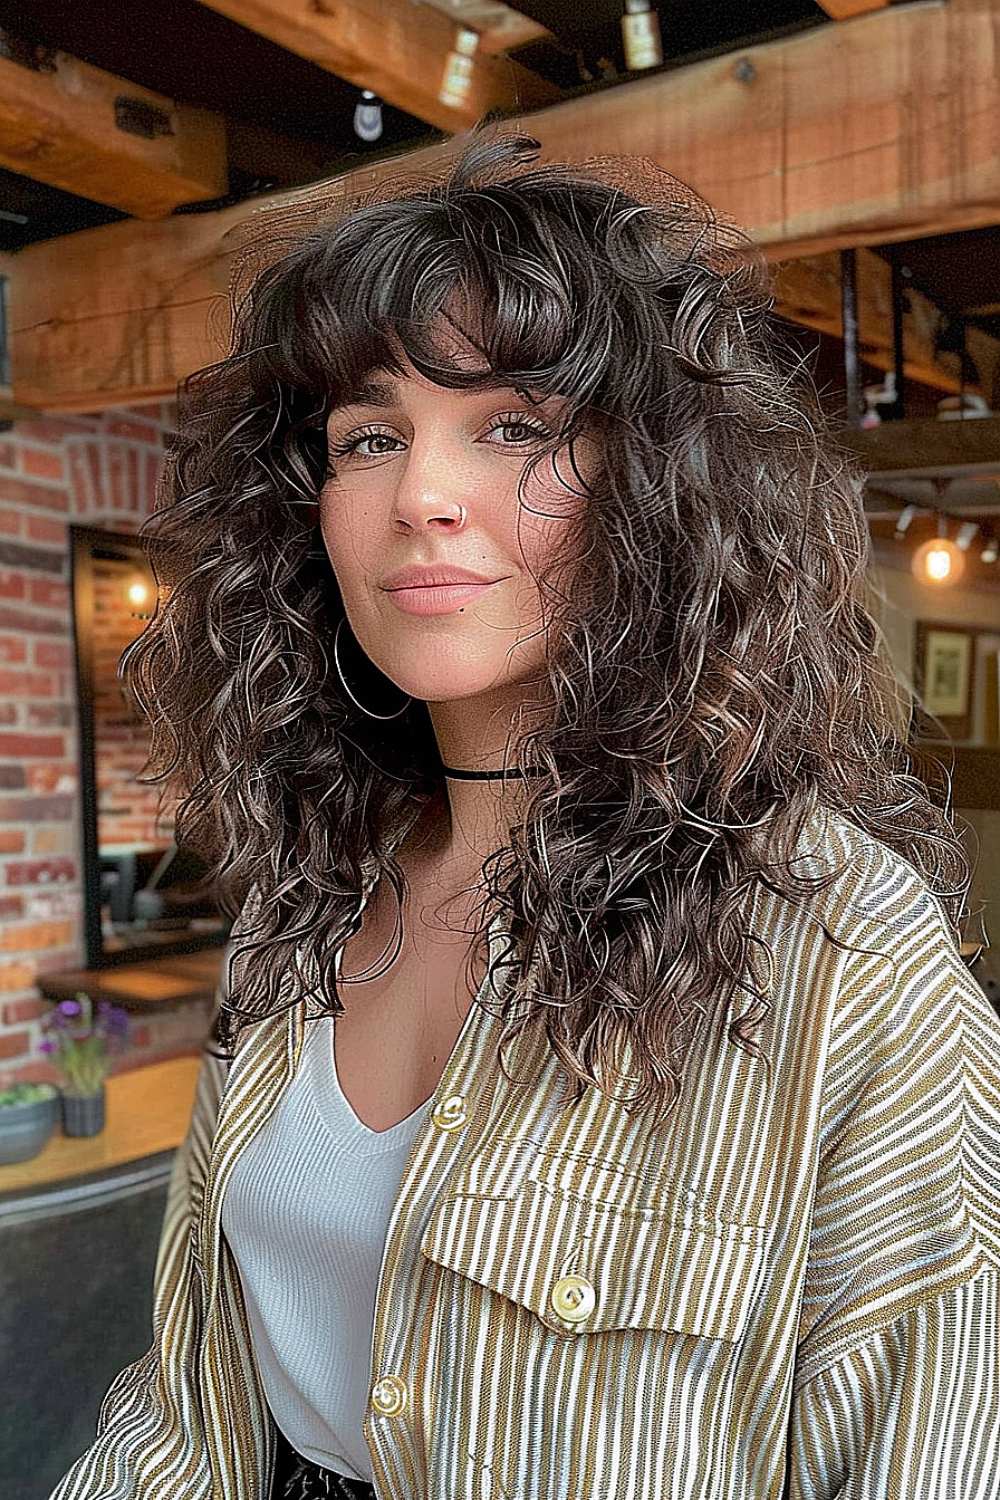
(296, 1478)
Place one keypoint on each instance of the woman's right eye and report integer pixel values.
(369, 443)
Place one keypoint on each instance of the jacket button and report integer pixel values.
(389, 1396)
(573, 1299)
(451, 1113)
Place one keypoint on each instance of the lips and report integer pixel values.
(435, 590)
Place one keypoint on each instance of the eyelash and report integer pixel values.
(352, 443)
(504, 420)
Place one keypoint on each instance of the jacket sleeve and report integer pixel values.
(150, 1441)
(897, 1392)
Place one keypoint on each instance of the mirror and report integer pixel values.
(142, 895)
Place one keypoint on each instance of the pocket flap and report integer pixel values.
(647, 1270)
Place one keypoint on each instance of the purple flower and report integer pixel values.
(48, 1045)
(70, 1007)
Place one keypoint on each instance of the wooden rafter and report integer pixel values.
(59, 127)
(399, 50)
(499, 26)
(808, 293)
(885, 129)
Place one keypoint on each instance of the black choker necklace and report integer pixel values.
(511, 773)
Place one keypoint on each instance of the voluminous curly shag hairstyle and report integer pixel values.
(715, 674)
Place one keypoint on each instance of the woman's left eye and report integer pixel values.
(518, 431)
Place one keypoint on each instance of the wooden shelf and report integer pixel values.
(178, 979)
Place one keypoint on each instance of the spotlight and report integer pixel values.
(368, 116)
(967, 533)
(991, 551)
(641, 35)
(904, 518)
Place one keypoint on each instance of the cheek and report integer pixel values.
(344, 535)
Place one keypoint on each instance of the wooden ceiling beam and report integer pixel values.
(807, 292)
(500, 27)
(399, 50)
(78, 128)
(881, 129)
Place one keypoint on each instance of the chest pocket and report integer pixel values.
(588, 1264)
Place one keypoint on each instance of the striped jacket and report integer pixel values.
(786, 1289)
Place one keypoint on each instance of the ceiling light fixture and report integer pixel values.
(904, 518)
(641, 35)
(456, 85)
(368, 116)
(967, 533)
(991, 551)
(938, 562)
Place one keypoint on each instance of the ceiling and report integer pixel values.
(290, 121)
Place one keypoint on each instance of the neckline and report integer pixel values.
(329, 1078)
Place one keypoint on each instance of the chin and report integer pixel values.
(452, 681)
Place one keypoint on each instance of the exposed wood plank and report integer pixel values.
(845, 10)
(808, 292)
(86, 337)
(59, 127)
(883, 128)
(500, 28)
(890, 134)
(398, 49)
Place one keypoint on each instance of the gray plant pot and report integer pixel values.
(83, 1114)
(25, 1128)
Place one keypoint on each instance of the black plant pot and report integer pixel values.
(83, 1114)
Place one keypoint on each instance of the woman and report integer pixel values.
(605, 1109)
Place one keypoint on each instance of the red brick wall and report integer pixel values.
(98, 471)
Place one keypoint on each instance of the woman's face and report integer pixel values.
(437, 535)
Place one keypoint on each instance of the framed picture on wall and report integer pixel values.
(943, 673)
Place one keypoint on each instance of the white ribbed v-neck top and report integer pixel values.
(306, 1214)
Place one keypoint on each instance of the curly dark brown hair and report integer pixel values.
(716, 676)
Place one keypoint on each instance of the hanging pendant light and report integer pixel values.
(368, 116)
(938, 562)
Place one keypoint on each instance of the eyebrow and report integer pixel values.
(381, 393)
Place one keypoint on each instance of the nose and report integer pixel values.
(430, 490)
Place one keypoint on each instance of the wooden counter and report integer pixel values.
(147, 1112)
(177, 979)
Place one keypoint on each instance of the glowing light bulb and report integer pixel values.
(138, 594)
(938, 562)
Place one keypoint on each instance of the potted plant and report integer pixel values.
(81, 1040)
(28, 1115)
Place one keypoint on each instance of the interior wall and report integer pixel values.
(99, 471)
(904, 601)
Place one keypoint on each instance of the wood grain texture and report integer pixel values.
(878, 129)
(59, 127)
(396, 48)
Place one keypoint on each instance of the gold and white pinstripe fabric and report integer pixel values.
(787, 1289)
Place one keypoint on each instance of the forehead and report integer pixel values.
(385, 388)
